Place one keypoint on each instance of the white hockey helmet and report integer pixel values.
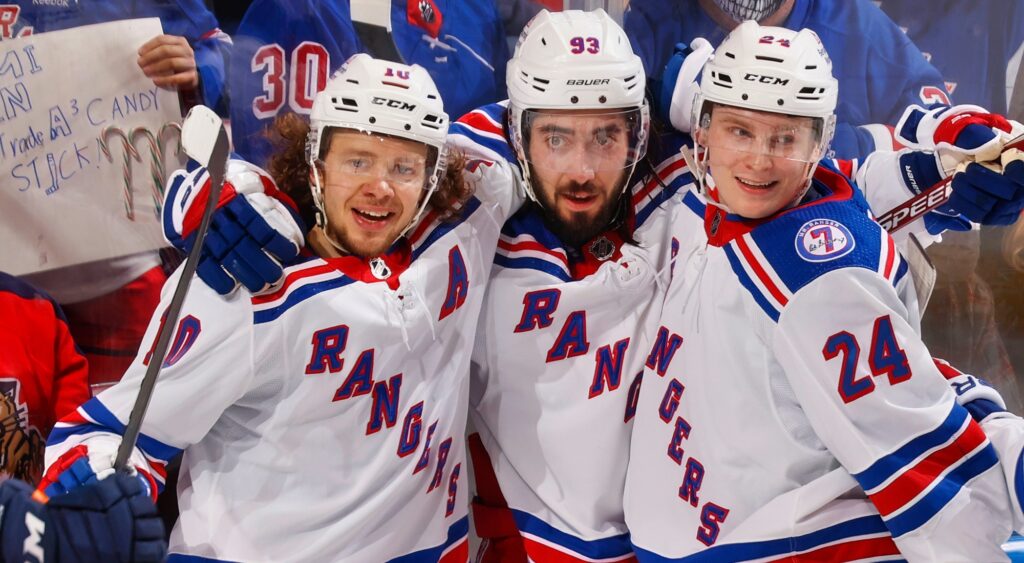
(771, 69)
(385, 98)
(575, 60)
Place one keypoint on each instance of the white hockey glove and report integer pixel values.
(679, 82)
(90, 462)
(254, 229)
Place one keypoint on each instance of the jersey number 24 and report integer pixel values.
(885, 356)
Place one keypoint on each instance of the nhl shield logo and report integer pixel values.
(602, 248)
(379, 269)
(426, 11)
(821, 240)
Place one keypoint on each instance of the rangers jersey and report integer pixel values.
(323, 421)
(558, 359)
(789, 408)
(976, 45)
(287, 49)
(879, 69)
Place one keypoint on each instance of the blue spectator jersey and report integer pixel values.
(975, 44)
(879, 69)
(286, 50)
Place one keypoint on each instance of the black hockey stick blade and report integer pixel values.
(204, 140)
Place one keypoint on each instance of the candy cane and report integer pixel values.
(156, 165)
(126, 166)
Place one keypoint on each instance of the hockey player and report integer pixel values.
(791, 410)
(110, 520)
(325, 420)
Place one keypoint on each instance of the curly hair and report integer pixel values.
(289, 168)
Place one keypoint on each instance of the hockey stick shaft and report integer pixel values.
(930, 198)
(212, 154)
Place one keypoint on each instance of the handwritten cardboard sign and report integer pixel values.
(85, 140)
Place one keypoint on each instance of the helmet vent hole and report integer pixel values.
(543, 42)
(431, 118)
(769, 59)
(574, 99)
(730, 55)
(810, 67)
(352, 80)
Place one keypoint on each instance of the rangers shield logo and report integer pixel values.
(821, 240)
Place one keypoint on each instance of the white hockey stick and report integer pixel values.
(204, 140)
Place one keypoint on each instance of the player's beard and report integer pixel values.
(576, 228)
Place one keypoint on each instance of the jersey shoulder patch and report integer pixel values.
(830, 232)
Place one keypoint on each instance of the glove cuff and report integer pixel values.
(918, 125)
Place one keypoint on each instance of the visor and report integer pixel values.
(798, 139)
(358, 156)
(563, 141)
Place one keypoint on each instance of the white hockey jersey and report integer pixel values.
(788, 378)
(324, 421)
(558, 360)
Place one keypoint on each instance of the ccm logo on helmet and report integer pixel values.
(590, 82)
(765, 79)
(397, 104)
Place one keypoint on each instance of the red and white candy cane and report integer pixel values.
(126, 166)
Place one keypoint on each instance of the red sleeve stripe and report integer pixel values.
(901, 492)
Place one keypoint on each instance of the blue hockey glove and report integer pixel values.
(973, 393)
(111, 520)
(254, 229)
(679, 84)
(988, 196)
(922, 170)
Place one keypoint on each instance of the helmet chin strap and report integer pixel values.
(321, 214)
